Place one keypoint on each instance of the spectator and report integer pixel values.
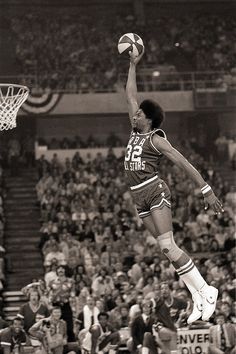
(101, 336)
(136, 308)
(51, 331)
(31, 309)
(142, 330)
(174, 304)
(89, 315)
(13, 338)
(55, 253)
(119, 316)
(102, 284)
(222, 336)
(60, 293)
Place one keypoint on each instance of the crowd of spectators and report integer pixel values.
(97, 254)
(78, 142)
(78, 53)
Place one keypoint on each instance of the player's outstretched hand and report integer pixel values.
(212, 201)
(135, 59)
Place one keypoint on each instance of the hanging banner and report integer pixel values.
(193, 341)
(41, 104)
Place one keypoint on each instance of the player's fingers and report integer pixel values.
(217, 207)
(218, 203)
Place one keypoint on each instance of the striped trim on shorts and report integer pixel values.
(150, 195)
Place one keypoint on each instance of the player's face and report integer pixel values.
(139, 121)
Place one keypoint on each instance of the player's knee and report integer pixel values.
(168, 246)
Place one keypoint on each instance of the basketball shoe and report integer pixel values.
(197, 308)
(209, 296)
(204, 303)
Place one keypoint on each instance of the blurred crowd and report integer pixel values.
(78, 53)
(112, 140)
(98, 255)
(102, 266)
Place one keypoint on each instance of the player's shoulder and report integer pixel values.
(159, 132)
(155, 141)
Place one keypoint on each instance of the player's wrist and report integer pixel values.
(206, 190)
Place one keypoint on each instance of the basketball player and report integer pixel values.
(152, 196)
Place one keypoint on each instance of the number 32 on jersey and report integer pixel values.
(133, 160)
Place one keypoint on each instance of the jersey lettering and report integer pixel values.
(141, 159)
(142, 142)
(133, 156)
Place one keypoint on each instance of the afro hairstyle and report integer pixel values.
(154, 112)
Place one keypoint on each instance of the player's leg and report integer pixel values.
(159, 223)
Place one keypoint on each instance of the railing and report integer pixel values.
(154, 80)
(148, 79)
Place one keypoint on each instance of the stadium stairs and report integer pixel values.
(21, 238)
(228, 174)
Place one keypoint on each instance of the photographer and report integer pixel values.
(51, 332)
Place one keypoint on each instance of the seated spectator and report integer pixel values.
(136, 308)
(51, 274)
(49, 245)
(102, 284)
(119, 316)
(89, 315)
(31, 309)
(55, 254)
(51, 331)
(222, 336)
(101, 337)
(141, 330)
(13, 338)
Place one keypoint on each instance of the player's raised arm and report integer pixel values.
(177, 158)
(131, 85)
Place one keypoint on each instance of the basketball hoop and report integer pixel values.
(12, 96)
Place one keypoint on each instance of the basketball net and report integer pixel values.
(12, 96)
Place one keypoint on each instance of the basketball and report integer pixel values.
(130, 42)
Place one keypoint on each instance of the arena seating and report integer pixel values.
(79, 54)
(86, 204)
